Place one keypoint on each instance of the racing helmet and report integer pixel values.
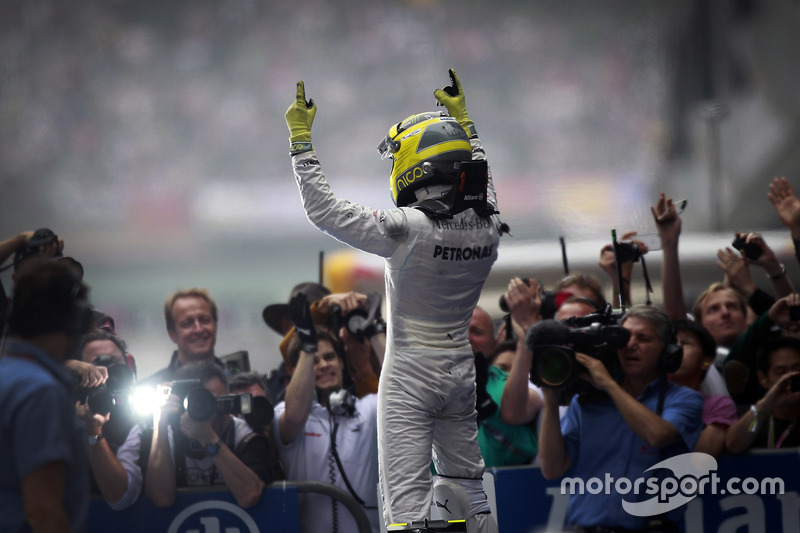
(426, 149)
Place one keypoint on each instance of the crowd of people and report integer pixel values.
(375, 408)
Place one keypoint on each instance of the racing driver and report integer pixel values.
(439, 245)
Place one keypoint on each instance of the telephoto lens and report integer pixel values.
(554, 366)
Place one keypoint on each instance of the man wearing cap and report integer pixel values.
(276, 316)
(373, 344)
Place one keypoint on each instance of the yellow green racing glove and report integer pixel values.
(299, 118)
(452, 97)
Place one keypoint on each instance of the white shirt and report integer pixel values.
(309, 458)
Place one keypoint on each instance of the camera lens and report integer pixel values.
(553, 366)
(200, 404)
(101, 401)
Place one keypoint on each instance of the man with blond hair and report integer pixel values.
(723, 312)
(191, 319)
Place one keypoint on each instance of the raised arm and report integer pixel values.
(159, 478)
(786, 204)
(112, 479)
(453, 99)
(376, 232)
(553, 457)
(520, 404)
(669, 228)
(768, 261)
(608, 263)
(300, 391)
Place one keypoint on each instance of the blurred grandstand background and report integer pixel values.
(150, 134)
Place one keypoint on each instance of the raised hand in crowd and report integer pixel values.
(669, 224)
(786, 313)
(787, 205)
(524, 301)
(608, 264)
(735, 264)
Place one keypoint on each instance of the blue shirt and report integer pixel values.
(600, 442)
(38, 426)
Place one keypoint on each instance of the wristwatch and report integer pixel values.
(212, 448)
(781, 273)
(94, 439)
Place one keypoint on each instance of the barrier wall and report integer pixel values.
(207, 511)
(525, 502)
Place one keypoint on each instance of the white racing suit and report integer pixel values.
(435, 271)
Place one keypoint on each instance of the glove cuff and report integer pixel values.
(308, 347)
(468, 126)
(299, 147)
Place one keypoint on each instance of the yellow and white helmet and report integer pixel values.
(426, 149)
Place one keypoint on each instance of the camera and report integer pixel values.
(116, 391)
(362, 322)
(794, 313)
(554, 345)
(202, 405)
(628, 252)
(549, 305)
(41, 237)
(751, 251)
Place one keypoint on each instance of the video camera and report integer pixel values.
(202, 405)
(554, 345)
(549, 300)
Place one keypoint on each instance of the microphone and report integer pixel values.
(546, 332)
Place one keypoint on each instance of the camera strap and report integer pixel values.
(648, 286)
(661, 522)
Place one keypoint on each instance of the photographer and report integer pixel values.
(333, 310)
(178, 451)
(201, 453)
(771, 421)
(323, 432)
(106, 412)
(652, 420)
(44, 482)
(521, 399)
